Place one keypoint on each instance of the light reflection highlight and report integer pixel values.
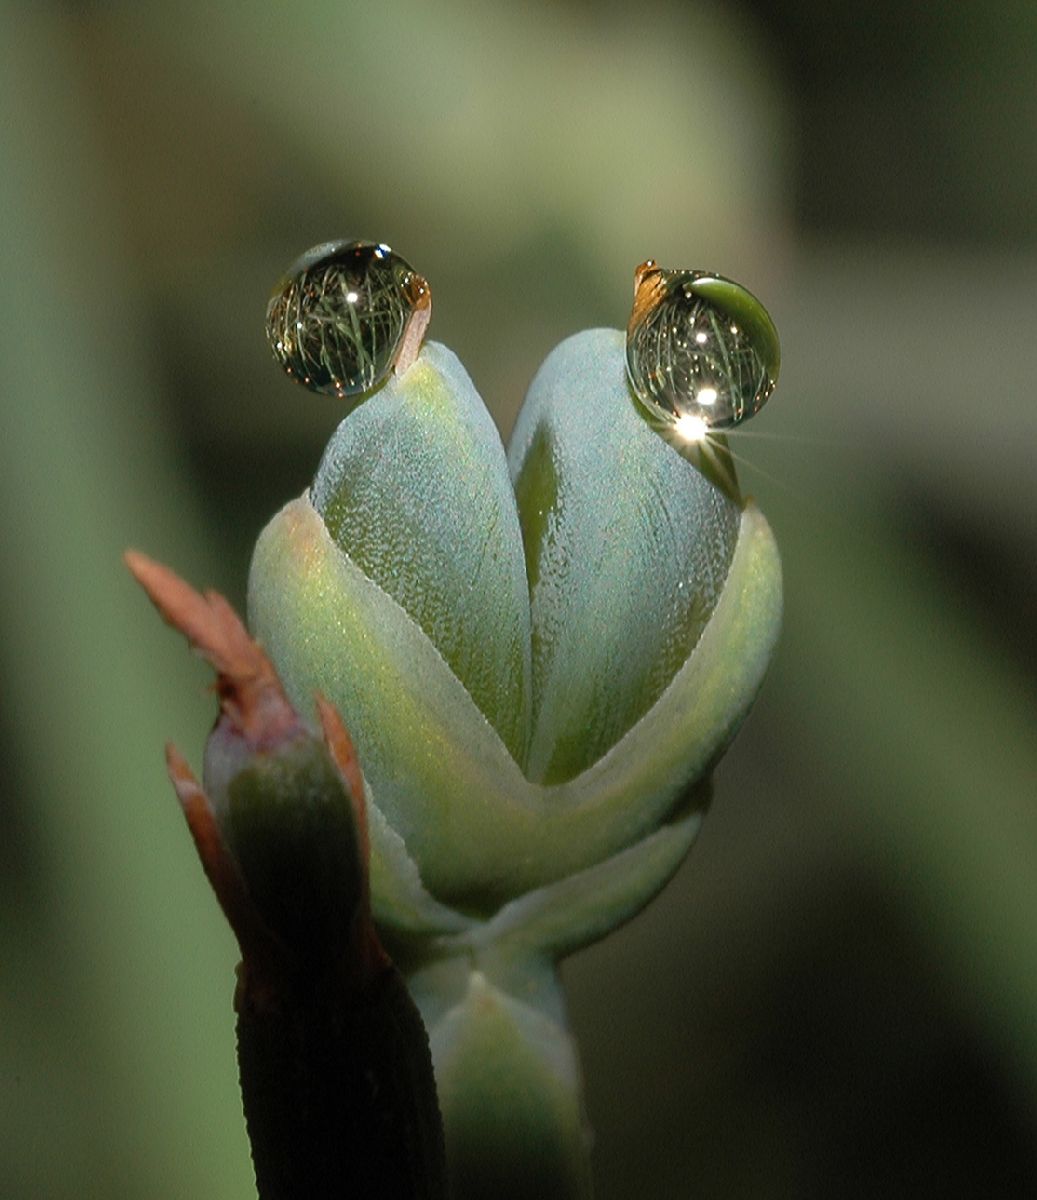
(691, 428)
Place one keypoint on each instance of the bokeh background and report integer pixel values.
(838, 995)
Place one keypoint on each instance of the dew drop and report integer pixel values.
(345, 314)
(702, 352)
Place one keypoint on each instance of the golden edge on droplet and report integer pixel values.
(649, 290)
(419, 294)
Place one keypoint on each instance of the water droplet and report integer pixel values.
(345, 314)
(702, 352)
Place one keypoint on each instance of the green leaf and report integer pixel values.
(554, 921)
(414, 487)
(399, 897)
(627, 550)
(437, 769)
(509, 1090)
(479, 832)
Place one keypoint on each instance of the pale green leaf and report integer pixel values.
(479, 832)
(399, 898)
(414, 487)
(509, 1090)
(565, 916)
(627, 550)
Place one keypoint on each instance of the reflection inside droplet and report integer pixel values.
(699, 346)
(345, 314)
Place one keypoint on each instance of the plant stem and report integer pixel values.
(337, 1093)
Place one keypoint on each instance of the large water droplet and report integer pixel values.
(344, 314)
(702, 352)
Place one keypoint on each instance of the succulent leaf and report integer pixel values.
(508, 1083)
(414, 487)
(629, 545)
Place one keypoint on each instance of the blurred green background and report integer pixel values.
(838, 995)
